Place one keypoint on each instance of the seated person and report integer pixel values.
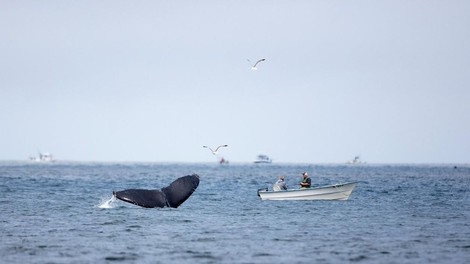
(306, 181)
(280, 185)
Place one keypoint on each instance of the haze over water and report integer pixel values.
(398, 214)
(157, 80)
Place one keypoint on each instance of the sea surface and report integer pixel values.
(62, 212)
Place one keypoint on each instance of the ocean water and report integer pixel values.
(63, 213)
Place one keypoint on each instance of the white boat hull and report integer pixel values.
(331, 192)
(263, 159)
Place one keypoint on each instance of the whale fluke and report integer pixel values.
(171, 196)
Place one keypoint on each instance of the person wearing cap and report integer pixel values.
(280, 185)
(306, 181)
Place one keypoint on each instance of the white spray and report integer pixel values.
(107, 203)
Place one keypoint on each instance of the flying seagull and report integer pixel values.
(214, 152)
(254, 66)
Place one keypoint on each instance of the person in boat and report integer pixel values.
(280, 185)
(306, 181)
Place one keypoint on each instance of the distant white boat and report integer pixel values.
(330, 192)
(43, 157)
(356, 160)
(263, 159)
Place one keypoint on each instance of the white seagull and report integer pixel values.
(214, 152)
(254, 66)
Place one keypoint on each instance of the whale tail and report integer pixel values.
(171, 196)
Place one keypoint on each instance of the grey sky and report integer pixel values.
(157, 80)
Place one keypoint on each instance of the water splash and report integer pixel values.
(107, 203)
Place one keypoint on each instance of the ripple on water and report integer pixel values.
(122, 257)
(201, 255)
(395, 215)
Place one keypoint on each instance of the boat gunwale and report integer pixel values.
(264, 190)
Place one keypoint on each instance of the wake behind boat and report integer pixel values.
(330, 192)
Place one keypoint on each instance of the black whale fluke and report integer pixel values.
(171, 196)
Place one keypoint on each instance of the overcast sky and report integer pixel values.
(157, 80)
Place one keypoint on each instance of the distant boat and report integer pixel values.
(263, 159)
(356, 160)
(330, 192)
(223, 161)
(43, 157)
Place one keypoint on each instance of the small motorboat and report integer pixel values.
(356, 160)
(331, 192)
(43, 157)
(223, 161)
(263, 159)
